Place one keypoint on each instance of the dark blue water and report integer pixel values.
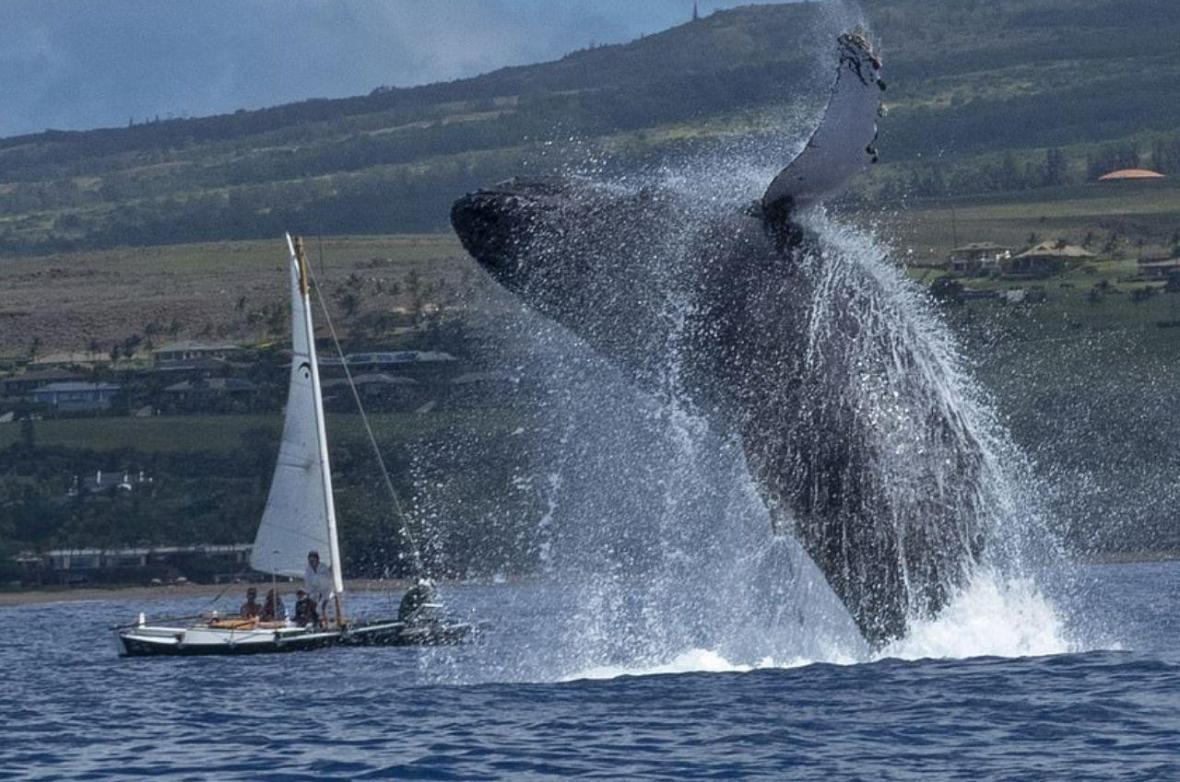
(69, 708)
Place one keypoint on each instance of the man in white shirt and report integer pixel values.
(317, 580)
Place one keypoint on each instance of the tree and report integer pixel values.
(350, 302)
(1056, 168)
(947, 289)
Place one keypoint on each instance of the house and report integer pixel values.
(20, 385)
(1130, 175)
(420, 364)
(189, 350)
(70, 359)
(76, 397)
(978, 257)
(373, 388)
(193, 367)
(1045, 259)
(82, 565)
(213, 393)
(1158, 267)
(107, 481)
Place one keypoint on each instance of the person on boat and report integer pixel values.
(317, 580)
(418, 604)
(251, 608)
(273, 609)
(305, 613)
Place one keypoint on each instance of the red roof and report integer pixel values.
(1130, 173)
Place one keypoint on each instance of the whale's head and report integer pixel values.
(585, 254)
(505, 226)
(601, 260)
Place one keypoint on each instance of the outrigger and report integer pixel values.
(300, 516)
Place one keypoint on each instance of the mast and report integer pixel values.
(321, 432)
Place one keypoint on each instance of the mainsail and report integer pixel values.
(300, 515)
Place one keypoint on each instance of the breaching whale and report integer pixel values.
(882, 486)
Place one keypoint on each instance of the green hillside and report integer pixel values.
(980, 92)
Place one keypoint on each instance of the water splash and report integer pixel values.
(657, 545)
(993, 616)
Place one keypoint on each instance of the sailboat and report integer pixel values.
(299, 517)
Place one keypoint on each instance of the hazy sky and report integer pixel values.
(71, 64)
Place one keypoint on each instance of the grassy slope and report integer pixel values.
(1088, 388)
(967, 79)
(210, 290)
(223, 433)
(1150, 212)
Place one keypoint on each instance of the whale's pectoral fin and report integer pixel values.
(843, 144)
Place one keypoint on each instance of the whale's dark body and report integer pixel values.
(747, 297)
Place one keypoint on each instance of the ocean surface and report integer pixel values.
(1105, 709)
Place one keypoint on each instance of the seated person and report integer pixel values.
(418, 603)
(273, 609)
(251, 609)
(305, 613)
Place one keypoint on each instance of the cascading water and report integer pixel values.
(657, 547)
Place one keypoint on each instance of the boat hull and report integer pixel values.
(163, 641)
(148, 641)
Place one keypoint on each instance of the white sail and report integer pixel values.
(300, 515)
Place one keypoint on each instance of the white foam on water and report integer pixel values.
(990, 618)
(691, 661)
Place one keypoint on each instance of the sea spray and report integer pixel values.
(657, 541)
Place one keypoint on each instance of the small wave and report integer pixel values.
(691, 661)
(699, 661)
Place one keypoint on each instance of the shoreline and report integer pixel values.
(85, 594)
(42, 595)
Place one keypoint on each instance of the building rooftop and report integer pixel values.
(199, 548)
(43, 376)
(77, 357)
(76, 386)
(371, 378)
(213, 384)
(980, 247)
(1056, 249)
(193, 346)
(1130, 173)
(393, 357)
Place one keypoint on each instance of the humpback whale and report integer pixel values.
(769, 333)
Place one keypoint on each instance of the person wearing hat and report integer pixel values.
(250, 609)
(305, 613)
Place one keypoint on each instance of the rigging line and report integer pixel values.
(407, 533)
(231, 583)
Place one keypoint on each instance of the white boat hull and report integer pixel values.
(162, 640)
(147, 640)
